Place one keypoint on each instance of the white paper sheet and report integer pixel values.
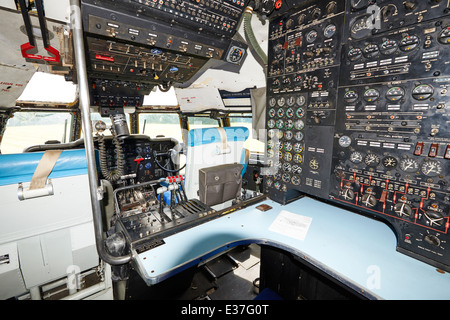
(291, 225)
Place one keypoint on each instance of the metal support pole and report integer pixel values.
(83, 91)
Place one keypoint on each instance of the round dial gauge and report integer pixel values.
(271, 133)
(356, 157)
(290, 101)
(361, 26)
(289, 124)
(389, 162)
(370, 51)
(314, 164)
(311, 36)
(280, 113)
(444, 36)
(298, 158)
(288, 135)
(409, 43)
(395, 94)
(290, 113)
(298, 147)
(295, 180)
(271, 123)
(300, 112)
(281, 101)
(431, 168)
(301, 100)
(329, 31)
(389, 47)
(299, 136)
(280, 123)
(371, 95)
(350, 96)
(371, 159)
(286, 177)
(269, 182)
(272, 112)
(287, 156)
(272, 102)
(359, 4)
(296, 169)
(287, 167)
(299, 124)
(354, 54)
(345, 141)
(409, 165)
(422, 92)
(287, 146)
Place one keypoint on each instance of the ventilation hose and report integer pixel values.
(251, 36)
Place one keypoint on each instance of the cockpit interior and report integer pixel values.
(225, 150)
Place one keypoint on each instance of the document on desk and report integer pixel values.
(291, 225)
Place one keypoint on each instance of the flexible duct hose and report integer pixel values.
(251, 36)
(111, 176)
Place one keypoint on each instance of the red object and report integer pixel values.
(24, 48)
(278, 4)
(139, 160)
(433, 150)
(419, 149)
(104, 58)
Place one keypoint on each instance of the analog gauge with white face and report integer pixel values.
(371, 159)
(431, 168)
(329, 31)
(311, 36)
(345, 141)
(409, 165)
(356, 157)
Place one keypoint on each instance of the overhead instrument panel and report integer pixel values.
(161, 43)
(365, 18)
(383, 103)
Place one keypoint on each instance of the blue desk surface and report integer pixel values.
(356, 250)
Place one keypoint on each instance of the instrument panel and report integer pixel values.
(141, 164)
(371, 115)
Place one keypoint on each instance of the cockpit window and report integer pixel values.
(202, 122)
(245, 120)
(160, 124)
(33, 128)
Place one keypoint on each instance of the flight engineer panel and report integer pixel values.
(358, 114)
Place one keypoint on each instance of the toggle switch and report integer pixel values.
(418, 149)
(433, 150)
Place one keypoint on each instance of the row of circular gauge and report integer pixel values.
(388, 47)
(420, 92)
(306, 17)
(290, 101)
(429, 168)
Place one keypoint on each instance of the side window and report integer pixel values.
(160, 124)
(251, 144)
(26, 129)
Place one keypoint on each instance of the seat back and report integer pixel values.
(209, 147)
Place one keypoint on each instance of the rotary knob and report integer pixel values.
(369, 200)
(432, 239)
(403, 209)
(348, 194)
